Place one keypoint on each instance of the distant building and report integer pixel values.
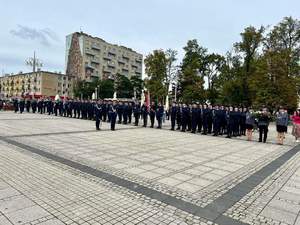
(89, 58)
(40, 83)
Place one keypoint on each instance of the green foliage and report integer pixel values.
(124, 87)
(138, 85)
(83, 89)
(193, 66)
(265, 69)
(156, 69)
(106, 89)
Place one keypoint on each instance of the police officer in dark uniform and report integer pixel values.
(189, 121)
(205, 119)
(109, 104)
(40, 106)
(209, 119)
(50, 107)
(236, 122)
(230, 117)
(16, 105)
(56, 107)
(125, 113)
(120, 109)
(173, 113)
(223, 126)
(184, 119)
(104, 111)
(44, 105)
(179, 116)
(217, 117)
(129, 112)
(195, 117)
(136, 113)
(200, 117)
(33, 105)
(159, 115)
(113, 115)
(152, 114)
(22, 105)
(145, 112)
(98, 113)
(28, 103)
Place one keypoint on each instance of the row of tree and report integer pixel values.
(122, 85)
(262, 69)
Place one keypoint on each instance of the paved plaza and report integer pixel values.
(56, 170)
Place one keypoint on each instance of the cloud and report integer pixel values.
(44, 36)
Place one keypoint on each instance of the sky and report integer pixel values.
(41, 26)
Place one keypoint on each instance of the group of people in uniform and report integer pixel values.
(206, 119)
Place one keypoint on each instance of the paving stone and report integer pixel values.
(26, 215)
(15, 203)
(4, 221)
(8, 192)
(279, 215)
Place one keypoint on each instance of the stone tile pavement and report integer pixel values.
(192, 169)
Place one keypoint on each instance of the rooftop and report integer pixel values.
(121, 46)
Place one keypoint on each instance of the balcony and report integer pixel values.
(139, 61)
(95, 61)
(95, 47)
(88, 53)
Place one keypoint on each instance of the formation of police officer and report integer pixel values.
(208, 119)
(194, 118)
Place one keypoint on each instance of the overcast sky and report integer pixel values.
(142, 25)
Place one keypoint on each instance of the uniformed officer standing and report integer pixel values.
(125, 113)
(145, 112)
(28, 103)
(200, 115)
(136, 113)
(209, 119)
(16, 105)
(195, 117)
(56, 107)
(173, 113)
(129, 112)
(120, 109)
(113, 115)
(184, 119)
(217, 117)
(109, 104)
(50, 107)
(152, 114)
(22, 105)
(159, 115)
(205, 119)
(179, 116)
(33, 105)
(98, 113)
(104, 111)
(230, 117)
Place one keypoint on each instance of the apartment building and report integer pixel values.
(40, 83)
(89, 58)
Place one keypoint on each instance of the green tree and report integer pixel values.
(191, 82)
(138, 85)
(84, 89)
(156, 70)
(251, 41)
(214, 67)
(106, 89)
(172, 75)
(124, 87)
